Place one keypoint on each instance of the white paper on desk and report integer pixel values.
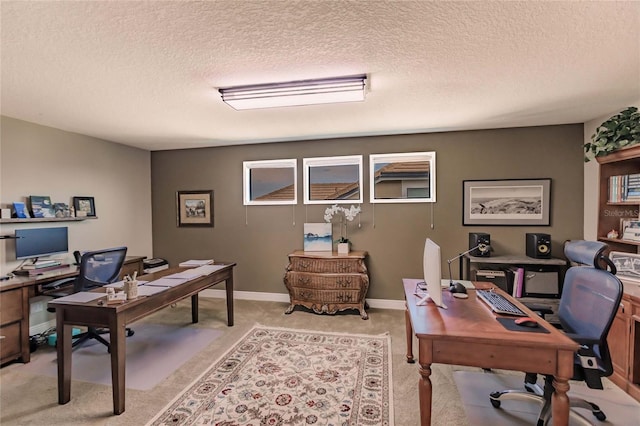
(192, 263)
(165, 282)
(81, 297)
(207, 269)
(120, 284)
(189, 274)
(467, 284)
(148, 290)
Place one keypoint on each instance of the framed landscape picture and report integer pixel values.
(506, 202)
(195, 208)
(84, 206)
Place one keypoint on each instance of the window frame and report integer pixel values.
(403, 157)
(345, 160)
(248, 166)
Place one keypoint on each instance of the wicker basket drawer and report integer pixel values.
(325, 281)
(336, 266)
(326, 296)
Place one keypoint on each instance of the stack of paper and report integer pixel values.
(192, 263)
(207, 269)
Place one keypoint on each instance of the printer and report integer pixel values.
(154, 265)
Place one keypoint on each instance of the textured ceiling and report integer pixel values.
(145, 73)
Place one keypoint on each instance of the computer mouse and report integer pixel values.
(526, 322)
(457, 288)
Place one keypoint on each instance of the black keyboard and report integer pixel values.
(498, 303)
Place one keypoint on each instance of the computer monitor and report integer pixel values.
(432, 274)
(37, 242)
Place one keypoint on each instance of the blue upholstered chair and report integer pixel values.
(590, 298)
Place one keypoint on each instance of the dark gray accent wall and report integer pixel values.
(259, 238)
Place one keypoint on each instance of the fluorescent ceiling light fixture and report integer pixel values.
(295, 93)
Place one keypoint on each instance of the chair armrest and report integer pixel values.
(541, 310)
(582, 340)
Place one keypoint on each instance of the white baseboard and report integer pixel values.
(281, 297)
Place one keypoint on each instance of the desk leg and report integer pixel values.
(229, 287)
(409, 331)
(424, 391)
(424, 385)
(117, 334)
(63, 333)
(560, 402)
(194, 308)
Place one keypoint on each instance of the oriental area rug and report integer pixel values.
(276, 376)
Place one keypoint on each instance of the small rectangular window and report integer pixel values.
(270, 182)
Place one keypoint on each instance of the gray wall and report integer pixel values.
(40, 160)
(259, 238)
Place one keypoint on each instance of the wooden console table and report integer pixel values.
(327, 282)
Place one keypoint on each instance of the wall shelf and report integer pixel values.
(46, 219)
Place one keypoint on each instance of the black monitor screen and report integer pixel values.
(38, 242)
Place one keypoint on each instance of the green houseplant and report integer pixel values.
(621, 130)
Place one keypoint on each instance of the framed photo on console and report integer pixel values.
(195, 208)
(506, 202)
(84, 206)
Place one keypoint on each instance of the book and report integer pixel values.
(41, 206)
(518, 282)
(21, 210)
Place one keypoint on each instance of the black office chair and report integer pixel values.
(97, 268)
(590, 298)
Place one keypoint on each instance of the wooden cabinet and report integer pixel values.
(618, 341)
(623, 162)
(327, 282)
(14, 324)
(624, 342)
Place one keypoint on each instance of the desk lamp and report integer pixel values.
(483, 249)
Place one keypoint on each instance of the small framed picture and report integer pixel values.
(84, 206)
(195, 208)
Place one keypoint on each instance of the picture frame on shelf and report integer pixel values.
(61, 210)
(84, 206)
(524, 202)
(195, 208)
(41, 206)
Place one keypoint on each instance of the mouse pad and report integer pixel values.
(509, 324)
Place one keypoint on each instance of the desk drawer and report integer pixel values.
(11, 303)
(325, 281)
(335, 266)
(10, 342)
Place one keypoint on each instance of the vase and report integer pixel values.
(343, 248)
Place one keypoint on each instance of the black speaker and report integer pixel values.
(482, 239)
(539, 246)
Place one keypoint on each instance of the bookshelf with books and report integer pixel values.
(619, 197)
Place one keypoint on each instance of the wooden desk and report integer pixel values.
(14, 299)
(467, 334)
(116, 318)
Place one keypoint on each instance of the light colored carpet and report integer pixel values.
(475, 387)
(277, 376)
(153, 352)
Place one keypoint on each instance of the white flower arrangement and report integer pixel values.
(345, 214)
